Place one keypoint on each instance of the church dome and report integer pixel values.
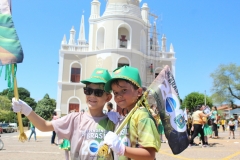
(123, 7)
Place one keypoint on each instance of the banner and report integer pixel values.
(10, 47)
(163, 91)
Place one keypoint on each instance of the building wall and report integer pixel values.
(105, 30)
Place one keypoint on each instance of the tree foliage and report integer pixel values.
(6, 113)
(5, 103)
(226, 83)
(7, 116)
(24, 95)
(45, 107)
(193, 99)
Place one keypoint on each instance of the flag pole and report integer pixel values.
(103, 150)
(22, 136)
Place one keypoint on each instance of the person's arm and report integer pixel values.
(216, 116)
(39, 122)
(140, 153)
(205, 115)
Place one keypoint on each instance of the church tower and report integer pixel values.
(122, 35)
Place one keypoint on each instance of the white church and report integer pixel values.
(122, 35)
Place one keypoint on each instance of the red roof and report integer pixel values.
(226, 107)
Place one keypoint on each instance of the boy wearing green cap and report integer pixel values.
(139, 138)
(85, 131)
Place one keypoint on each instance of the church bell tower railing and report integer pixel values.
(75, 48)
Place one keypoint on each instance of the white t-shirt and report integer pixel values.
(231, 123)
(85, 134)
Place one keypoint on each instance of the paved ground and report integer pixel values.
(222, 148)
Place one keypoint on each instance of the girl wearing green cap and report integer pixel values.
(139, 138)
(85, 131)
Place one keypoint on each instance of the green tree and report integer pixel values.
(193, 99)
(45, 107)
(5, 103)
(226, 83)
(7, 116)
(24, 95)
(6, 113)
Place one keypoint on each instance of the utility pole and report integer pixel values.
(205, 98)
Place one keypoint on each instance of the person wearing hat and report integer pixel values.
(85, 131)
(139, 139)
(231, 125)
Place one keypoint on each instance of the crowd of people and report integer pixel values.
(204, 123)
(78, 130)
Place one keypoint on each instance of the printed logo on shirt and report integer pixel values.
(94, 134)
(93, 147)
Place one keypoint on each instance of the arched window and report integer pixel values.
(74, 105)
(124, 36)
(100, 38)
(123, 62)
(75, 73)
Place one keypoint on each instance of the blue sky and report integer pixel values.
(204, 33)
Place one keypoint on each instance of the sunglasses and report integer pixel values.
(97, 92)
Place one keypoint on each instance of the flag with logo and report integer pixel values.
(163, 91)
(10, 47)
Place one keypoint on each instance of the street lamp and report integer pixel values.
(205, 98)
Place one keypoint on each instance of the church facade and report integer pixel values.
(122, 35)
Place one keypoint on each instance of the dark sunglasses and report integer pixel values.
(97, 92)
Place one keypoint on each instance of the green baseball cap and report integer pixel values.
(127, 73)
(99, 75)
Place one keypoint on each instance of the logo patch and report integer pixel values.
(179, 120)
(117, 71)
(93, 147)
(170, 104)
(99, 72)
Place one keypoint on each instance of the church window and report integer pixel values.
(123, 41)
(122, 64)
(124, 37)
(123, 61)
(75, 74)
(73, 107)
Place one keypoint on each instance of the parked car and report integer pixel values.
(14, 126)
(6, 128)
